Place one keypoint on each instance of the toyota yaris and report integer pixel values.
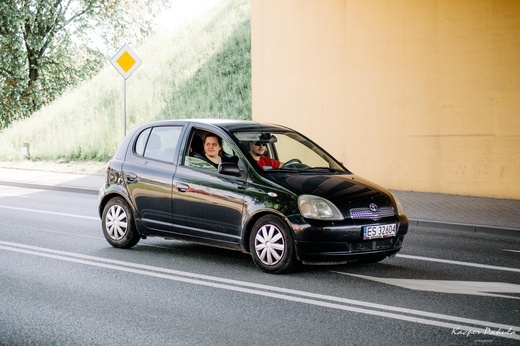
(262, 189)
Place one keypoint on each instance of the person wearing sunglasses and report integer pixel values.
(257, 151)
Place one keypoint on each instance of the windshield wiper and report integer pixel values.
(328, 169)
(309, 169)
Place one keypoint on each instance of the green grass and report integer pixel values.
(202, 69)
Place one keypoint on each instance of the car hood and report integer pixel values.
(346, 191)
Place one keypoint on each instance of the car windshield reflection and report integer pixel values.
(287, 151)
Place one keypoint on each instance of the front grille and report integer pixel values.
(372, 245)
(367, 214)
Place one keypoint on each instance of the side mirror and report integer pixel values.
(229, 168)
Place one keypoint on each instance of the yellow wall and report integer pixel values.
(419, 95)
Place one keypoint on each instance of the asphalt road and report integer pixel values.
(62, 284)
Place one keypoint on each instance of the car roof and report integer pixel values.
(226, 124)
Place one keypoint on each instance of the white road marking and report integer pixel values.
(447, 286)
(460, 263)
(49, 212)
(403, 314)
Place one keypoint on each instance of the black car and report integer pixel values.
(262, 189)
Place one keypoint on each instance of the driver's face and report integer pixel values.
(258, 148)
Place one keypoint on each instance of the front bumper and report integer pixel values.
(342, 244)
(341, 253)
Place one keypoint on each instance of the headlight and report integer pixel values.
(314, 207)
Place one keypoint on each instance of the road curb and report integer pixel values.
(87, 191)
(453, 226)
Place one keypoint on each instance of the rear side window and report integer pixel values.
(158, 143)
(140, 144)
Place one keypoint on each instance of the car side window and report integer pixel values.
(195, 154)
(161, 143)
(227, 149)
(140, 143)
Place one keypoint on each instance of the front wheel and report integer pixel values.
(118, 224)
(272, 245)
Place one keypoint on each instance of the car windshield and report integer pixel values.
(287, 150)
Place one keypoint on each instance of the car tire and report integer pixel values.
(118, 224)
(272, 245)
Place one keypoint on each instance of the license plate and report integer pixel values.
(379, 231)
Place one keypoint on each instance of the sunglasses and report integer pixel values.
(259, 144)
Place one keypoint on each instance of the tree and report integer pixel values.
(47, 46)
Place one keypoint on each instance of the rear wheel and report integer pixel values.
(272, 245)
(118, 224)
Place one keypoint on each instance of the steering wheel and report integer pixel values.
(291, 162)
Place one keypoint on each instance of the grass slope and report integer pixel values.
(202, 69)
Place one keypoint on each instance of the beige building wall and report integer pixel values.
(420, 95)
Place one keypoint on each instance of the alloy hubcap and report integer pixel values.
(269, 244)
(116, 222)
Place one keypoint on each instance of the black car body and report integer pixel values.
(310, 210)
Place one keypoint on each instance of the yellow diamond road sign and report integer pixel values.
(125, 61)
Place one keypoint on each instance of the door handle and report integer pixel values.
(130, 177)
(182, 187)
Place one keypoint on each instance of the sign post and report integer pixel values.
(126, 62)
